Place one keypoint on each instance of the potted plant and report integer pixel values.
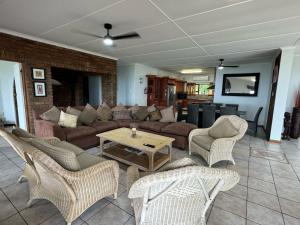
(295, 128)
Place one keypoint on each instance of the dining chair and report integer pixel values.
(236, 106)
(193, 114)
(228, 110)
(208, 115)
(253, 124)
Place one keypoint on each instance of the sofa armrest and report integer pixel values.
(45, 128)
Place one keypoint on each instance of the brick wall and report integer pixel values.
(39, 55)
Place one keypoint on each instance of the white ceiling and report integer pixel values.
(175, 34)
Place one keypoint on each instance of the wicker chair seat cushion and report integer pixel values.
(204, 141)
(66, 158)
(87, 160)
(223, 129)
(152, 125)
(182, 129)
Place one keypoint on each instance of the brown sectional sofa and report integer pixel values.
(85, 136)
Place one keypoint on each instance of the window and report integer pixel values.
(201, 89)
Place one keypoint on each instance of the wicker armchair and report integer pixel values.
(215, 150)
(71, 192)
(179, 194)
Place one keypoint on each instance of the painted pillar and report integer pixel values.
(285, 71)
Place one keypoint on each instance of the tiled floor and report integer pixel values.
(267, 194)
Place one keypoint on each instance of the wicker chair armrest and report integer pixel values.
(132, 176)
(222, 144)
(198, 132)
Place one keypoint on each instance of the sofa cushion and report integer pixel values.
(67, 120)
(224, 129)
(124, 123)
(78, 132)
(22, 133)
(122, 115)
(102, 126)
(141, 114)
(182, 129)
(66, 145)
(204, 141)
(87, 160)
(66, 158)
(73, 111)
(52, 115)
(167, 115)
(152, 125)
(104, 113)
(88, 116)
(155, 116)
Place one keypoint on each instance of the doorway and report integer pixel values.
(12, 97)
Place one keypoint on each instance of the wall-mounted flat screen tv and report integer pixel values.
(245, 84)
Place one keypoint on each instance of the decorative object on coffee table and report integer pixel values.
(150, 144)
(287, 126)
(295, 124)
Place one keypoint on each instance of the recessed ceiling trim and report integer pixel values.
(179, 27)
(53, 43)
(81, 18)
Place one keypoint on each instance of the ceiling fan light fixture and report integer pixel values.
(220, 67)
(108, 41)
(191, 71)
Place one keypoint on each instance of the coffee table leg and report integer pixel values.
(151, 160)
(169, 151)
(101, 145)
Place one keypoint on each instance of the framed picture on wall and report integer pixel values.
(38, 74)
(39, 89)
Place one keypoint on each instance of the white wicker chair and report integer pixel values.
(179, 194)
(221, 148)
(71, 192)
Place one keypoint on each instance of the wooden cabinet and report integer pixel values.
(153, 93)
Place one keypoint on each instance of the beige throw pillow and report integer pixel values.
(167, 115)
(67, 120)
(52, 115)
(104, 113)
(223, 129)
(119, 107)
(155, 116)
(151, 108)
(73, 111)
(134, 109)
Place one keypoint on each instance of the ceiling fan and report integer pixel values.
(222, 66)
(108, 39)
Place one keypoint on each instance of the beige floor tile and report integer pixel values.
(265, 176)
(58, 219)
(124, 203)
(222, 217)
(14, 220)
(261, 185)
(6, 208)
(131, 221)
(263, 215)
(231, 204)
(289, 207)
(264, 199)
(290, 220)
(238, 191)
(94, 209)
(18, 194)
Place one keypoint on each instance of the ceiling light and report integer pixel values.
(191, 71)
(108, 41)
(220, 67)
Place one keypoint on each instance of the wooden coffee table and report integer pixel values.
(148, 158)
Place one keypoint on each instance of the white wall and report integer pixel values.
(248, 104)
(95, 90)
(132, 80)
(6, 90)
(294, 85)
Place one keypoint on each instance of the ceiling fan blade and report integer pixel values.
(231, 66)
(127, 35)
(86, 33)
